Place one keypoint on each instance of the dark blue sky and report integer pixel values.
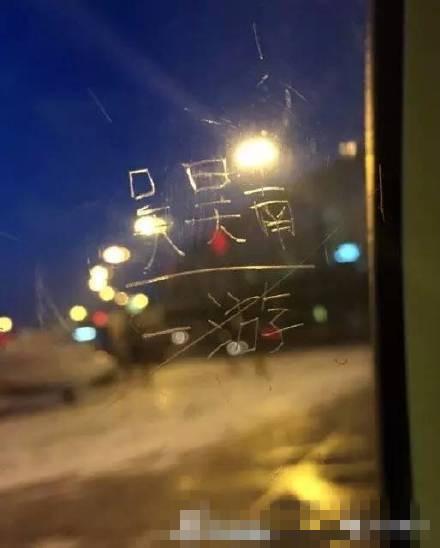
(157, 68)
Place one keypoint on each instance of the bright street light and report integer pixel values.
(107, 294)
(6, 324)
(78, 313)
(256, 153)
(96, 284)
(149, 225)
(99, 272)
(99, 276)
(116, 254)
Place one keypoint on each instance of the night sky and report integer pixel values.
(90, 90)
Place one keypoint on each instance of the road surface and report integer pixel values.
(124, 463)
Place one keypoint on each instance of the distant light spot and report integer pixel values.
(179, 337)
(320, 314)
(235, 348)
(348, 252)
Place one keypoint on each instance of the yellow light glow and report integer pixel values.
(6, 324)
(99, 276)
(97, 284)
(121, 298)
(149, 225)
(116, 254)
(139, 302)
(307, 483)
(78, 313)
(99, 272)
(256, 153)
(107, 294)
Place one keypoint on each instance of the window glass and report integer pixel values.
(184, 324)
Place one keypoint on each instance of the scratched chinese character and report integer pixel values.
(141, 184)
(153, 224)
(244, 323)
(275, 215)
(212, 175)
(206, 175)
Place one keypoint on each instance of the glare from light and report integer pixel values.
(307, 483)
(179, 337)
(256, 153)
(99, 276)
(84, 334)
(116, 254)
(138, 302)
(121, 298)
(99, 272)
(96, 284)
(149, 225)
(320, 314)
(107, 294)
(6, 324)
(347, 253)
(78, 313)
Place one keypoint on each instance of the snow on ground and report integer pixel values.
(188, 405)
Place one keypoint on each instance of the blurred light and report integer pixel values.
(347, 253)
(138, 302)
(121, 298)
(97, 285)
(99, 272)
(235, 348)
(348, 149)
(78, 313)
(99, 276)
(107, 294)
(6, 324)
(5, 339)
(219, 242)
(84, 334)
(307, 483)
(149, 225)
(100, 318)
(179, 337)
(256, 153)
(320, 314)
(116, 254)
(270, 332)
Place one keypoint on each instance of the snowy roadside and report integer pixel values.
(189, 405)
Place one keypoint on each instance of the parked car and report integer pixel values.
(39, 361)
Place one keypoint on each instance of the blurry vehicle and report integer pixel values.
(38, 361)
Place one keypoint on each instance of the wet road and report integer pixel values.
(121, 466)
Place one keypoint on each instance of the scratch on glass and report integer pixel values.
(267, 290)
(296, 92)
(262, 80)
(100, 106)
(165, 332)
(167, 277)
(257, 41)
